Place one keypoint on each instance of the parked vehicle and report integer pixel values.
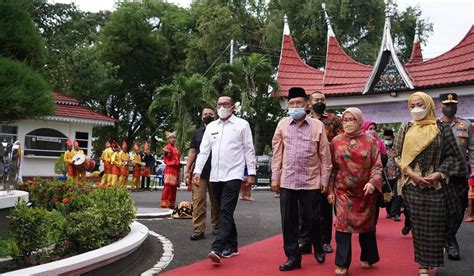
(264, 170)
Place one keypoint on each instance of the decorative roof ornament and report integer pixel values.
(286, 27)
(416, 54)
(387, 57)
(417, 32)
(328, 21)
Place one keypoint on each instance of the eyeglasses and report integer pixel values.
(347, 120)
(226, 105)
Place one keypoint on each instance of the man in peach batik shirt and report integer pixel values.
(301, 166)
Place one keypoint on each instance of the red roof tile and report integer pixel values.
(69, 107)
(416, 55)
(345, 76)
(61, 98)
(341, 69)
(292, 71)
(453, 67)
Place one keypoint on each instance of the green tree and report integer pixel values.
(216, 25)
(185, 96)
(20, 48)
(133, 41)
(19, 38)
(65, 29)
(24, 93)
(358, 25)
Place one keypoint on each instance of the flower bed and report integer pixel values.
(65, 219)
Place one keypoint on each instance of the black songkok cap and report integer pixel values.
(448, 98)
(296, 92)
(388, 132)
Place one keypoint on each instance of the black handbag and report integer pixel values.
(387, 193)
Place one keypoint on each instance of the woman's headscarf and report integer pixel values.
(170, 134)
(421, 134)
(367, 123)
(359, 120)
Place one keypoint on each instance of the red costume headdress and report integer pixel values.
(136, 148)
(115, 146)
(68, 143)
(146, 147)
(124, 146)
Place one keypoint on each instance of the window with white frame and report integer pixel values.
(83, 140)
(45, 142)
(8, 133)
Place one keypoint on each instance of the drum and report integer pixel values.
(83, 163)
(79, 161)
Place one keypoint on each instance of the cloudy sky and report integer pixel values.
(451, 19)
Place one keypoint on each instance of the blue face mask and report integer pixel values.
(297, 113)
(388, 143)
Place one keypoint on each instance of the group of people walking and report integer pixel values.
(430, 155)
(324, 164)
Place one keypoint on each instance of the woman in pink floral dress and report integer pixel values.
(356, 175)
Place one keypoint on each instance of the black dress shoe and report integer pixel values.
(320, 257)
(327, 248)
(230, 252)
(304, 248)
(405, 230)
(290, 265)
(197, 236)
(453, 253)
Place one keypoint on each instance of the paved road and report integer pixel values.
(255, 221)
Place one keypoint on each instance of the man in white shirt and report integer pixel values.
(230, 141)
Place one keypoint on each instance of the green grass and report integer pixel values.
(7, 247)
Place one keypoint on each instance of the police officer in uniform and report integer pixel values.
(465, 140)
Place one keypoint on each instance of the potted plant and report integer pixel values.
(60, 168)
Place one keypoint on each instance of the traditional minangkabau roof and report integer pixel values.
(388, 71)
(342, 74)
(292, 71)
(453, 67)
(416, 55)
(68, 109)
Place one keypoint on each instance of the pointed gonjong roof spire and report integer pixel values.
(292, 71)
(328, 21)
(416, 55)
(340, 68)
(388, 73)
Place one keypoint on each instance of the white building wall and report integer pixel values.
(44, 165)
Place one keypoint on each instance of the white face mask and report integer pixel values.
(418, 113)
(350, 127)
(224, 113)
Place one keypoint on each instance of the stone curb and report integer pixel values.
(155, 215)
(93, 259)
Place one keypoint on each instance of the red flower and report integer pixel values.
(30, 182)
(66, 200)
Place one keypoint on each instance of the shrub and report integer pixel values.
(34, 229)
(60, 165)
(84, 230)
(116, 209)
(69, 218)
(8, 247)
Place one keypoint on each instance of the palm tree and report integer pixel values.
(250, 79)
(185, 97)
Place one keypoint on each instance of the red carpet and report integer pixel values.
(264, 257)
